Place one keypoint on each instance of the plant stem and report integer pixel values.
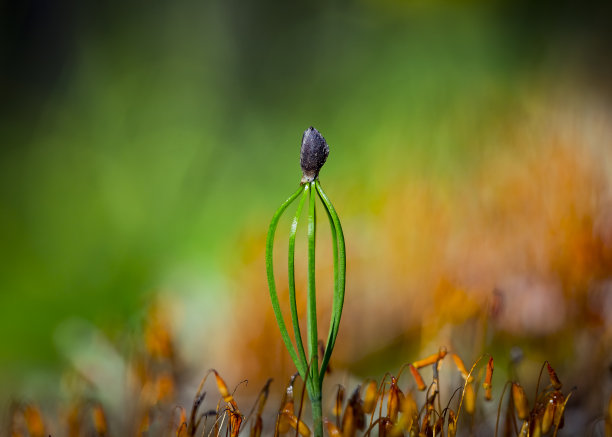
(317, 415)
(313, 345)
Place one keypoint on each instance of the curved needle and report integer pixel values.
(339, 253)
(272, 284)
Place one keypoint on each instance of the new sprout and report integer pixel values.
(314, 152)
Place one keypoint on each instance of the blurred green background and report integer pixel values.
(140, 140)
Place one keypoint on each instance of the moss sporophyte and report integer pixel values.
(313, 154)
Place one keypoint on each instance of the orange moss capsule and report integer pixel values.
(430, 359)
(469, 398)
(393, 400)
(263, 397)
(488, 377)
(99, 420)
(225, 394)
(182, 422)
(452, 424)
(425, 425)
(409, 406)
(406, 420)
(289, 407)
(520, 401)
(488, 393)
(554, 380)
(558, 400)
(536, 428)
(460, 366)
(332, 429)
(286, 413)
(298, 425)
(337, 410)
(371, 397)
(417, 378)
(397, 429)
(356, 410)
(547, 416)
(182, 430)
(384, 427)
(349, 427)
(287, 418)
(34, 421)
(235, 423)
(282, 423)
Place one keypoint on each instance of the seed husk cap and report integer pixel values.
(313, 154)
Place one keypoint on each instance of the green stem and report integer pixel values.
(272, 284)
(339, 254)
(315, 387)
(292, 299)
(317, 416)
(313, 338)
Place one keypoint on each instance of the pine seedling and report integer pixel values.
(313, 154)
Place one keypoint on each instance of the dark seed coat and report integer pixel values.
(313, 154)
